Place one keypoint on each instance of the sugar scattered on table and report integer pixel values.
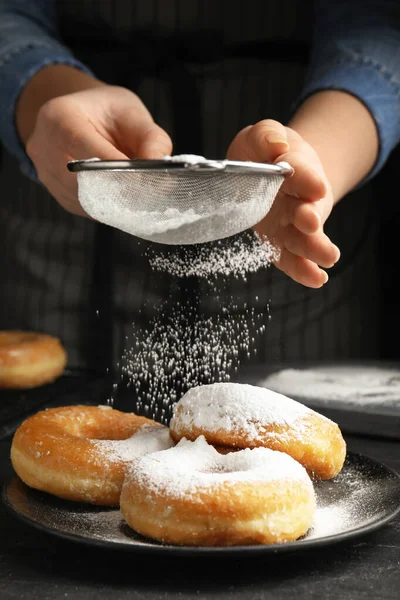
(352, 384)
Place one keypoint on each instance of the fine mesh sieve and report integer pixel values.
(180, 199)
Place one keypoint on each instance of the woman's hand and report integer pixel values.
(105, 121)
(296, 219)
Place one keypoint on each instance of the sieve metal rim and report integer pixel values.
(162, 165)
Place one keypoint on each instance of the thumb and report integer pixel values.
(263, 142)
(153, 142)
(139, 136)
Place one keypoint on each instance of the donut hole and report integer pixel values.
(220, 470)
(102, 425)
(225, 469)
(92, 431)
(232, 463)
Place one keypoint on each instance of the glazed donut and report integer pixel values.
(192, 495)
(80, 453)
(247, 416)
(29, 359)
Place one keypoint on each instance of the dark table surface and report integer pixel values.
(38, 565)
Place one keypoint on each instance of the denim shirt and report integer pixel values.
(356, 49)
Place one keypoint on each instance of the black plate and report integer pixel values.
(362, 498)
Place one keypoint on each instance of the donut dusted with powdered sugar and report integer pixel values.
(192, 495)
(80, 453)
(236, 415)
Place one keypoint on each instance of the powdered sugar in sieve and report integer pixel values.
(184, 199)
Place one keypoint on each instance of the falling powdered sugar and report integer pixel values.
(184, 346)
(237, 256)
(182, 349)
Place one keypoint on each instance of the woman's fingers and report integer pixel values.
(296, 219)
(267, 140)
(306, 182)
(137, 134)
(301, 270)
(317, 248)
(106, 122)
(89, 144)
(305, 216)
(153, 143)
(263, 142)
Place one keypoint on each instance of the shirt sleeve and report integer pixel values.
(29, 41)
(356, 49)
